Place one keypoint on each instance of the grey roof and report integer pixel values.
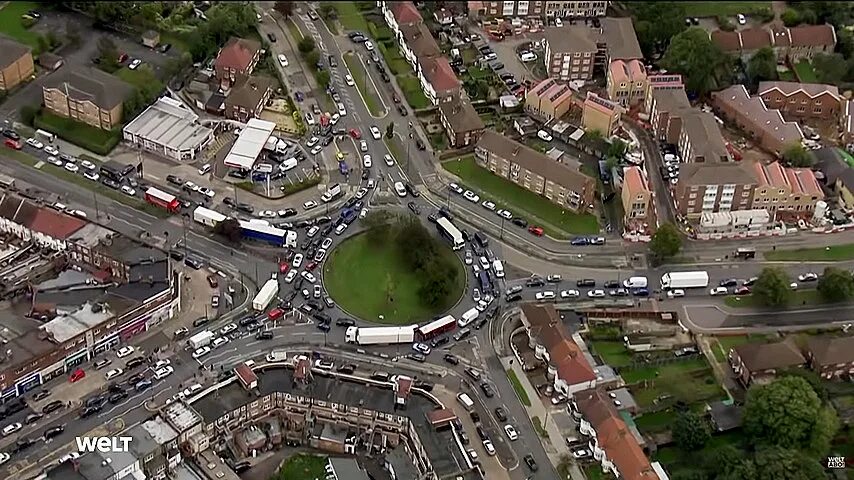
(85, 83)
(165, 123)
(619, 34)
(830, 163)
(754, 111)
(827, 350)
(571, 38)
(757, 357)
(725, 416)
(347, 468)
(250, 93)
(461, 115)
(420, 40)
(717, 173)
(11, 51)
(670, 99)
(705, 137)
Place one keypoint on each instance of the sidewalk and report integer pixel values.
(554, 444)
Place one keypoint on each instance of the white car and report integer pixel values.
(297, 260)
(511, 432)
(547, 295)
(164, 372)
(92, 176)
(742, 20)
(422, 348)
(400, 189)
(488, 205)
(490, 449)
(471, 196)
(505, 214)
(366, 161)
(598, 293)
(125, 351)
(677, 293)
(334, 118)
(192, 390)
(218, 342)
(207, 192)
(201, 352)
(349, 80)
(55, 161)
(312, 142)
(363, 146)
(128, 190)
(68, 457)
(456, 188)
(369, 46)
(4, 457)
(71, 167)
(266, 214)
(341, 110)
(289, 278)
(225, 330)
(161, 363)
(283, 60)
(113, 373)
(360, 194)
(87, 165)
(309, 205)
(484, 263)
(35, 143)
(316, 150)
(205, 169)
(12, 428)
(51, 150)
(808, 277)
(544, 136)
(375, 132)
(308, 276)
(190, 186)
(570, 294)
(718, 291)
(135, 64)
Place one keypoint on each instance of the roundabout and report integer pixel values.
(372, 277)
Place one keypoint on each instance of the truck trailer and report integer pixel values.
(161, 199)
(380, 335)
(266, 233)
(207, 217)
(265, 295)
(201, 339)
(673, 280)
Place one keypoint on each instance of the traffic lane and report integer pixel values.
(485, 409)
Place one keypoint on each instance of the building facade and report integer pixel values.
(569, 52)
(665, 102)
(600, 114)
(832, 358)
(766, 127)
(787, 193)
(86, 95)
(626, 82)
(714, 187)
(760, 362)
(461, 122)
(549, 100)
(799, 101)
(16, 63)
(636, 197)
(538, 8)
(247, 99)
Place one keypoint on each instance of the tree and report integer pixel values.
(666, 242)
(690, 431)
(725, 459)
(777, 463)
(791, 17)
(306, 45)
(389, 130)
(285, 8)
(594, 134)
(836, 284)
(28, 114)
(830, 68)
(328, 10)
(797, 156)
(656, 23)
(135, 103)
(312, 58)
(762, 66)
(703, 64)
(787, 413)
(230, 229)
(772, 287)
(323, 78)
(689, 475)
(617, 148)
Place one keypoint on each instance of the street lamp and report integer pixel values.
(501, 235)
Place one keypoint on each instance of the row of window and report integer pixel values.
(778, 99)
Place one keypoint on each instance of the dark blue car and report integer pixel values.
(580, 241)
(640, 292)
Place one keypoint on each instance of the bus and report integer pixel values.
(450, 232)
(437, 327)
(745, 253)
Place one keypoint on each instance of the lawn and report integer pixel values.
(369, 280)
(656, 422)
(396, 63)
(302, 467)
(797, 298)
(520, 390)
(636, 375)
(685, 381)
(539, 428)
(142, 78)
(556, 221)
(675, 459)
(294, 30)
(805, 72)
(412, 91)
(713, 9)
(349, 16)
(849, 159)
(85, 136)
(614, 354)
(366, 89)
(820, 254)
(397, 150)
(11, 25)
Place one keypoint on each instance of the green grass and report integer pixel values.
(805, 72)
(396, 63)
(819, 254)
(614, 354)
(593, 472)
(85, 136)
(556, 221)
(849, 159)
(397, 150)
(520, 390)
(656, 422)
(412, 91)
(302, 467)
(11, 26)
(293, 188)
(796, 299)
(713, 9)
(636, 375)
(295, 31)
(538, 427)
(787, 76)
(142, 78)
(366, 89)
(349, 16)
(369, 280)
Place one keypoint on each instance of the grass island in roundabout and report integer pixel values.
(395, 272)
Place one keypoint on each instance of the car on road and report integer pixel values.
(218, 342)
(135, 64)
(807, 277)
(308, 277)
(414, 208)
(316, 150)
(369, 46)
(12, 428)
(312, 141)
(718, 291)
(50, 150)
(309, 205)
(366, 161)
(596, 293)
(375, 132)
(452, 359)
(71, 167)
(127, 190)
(116, 372)
(35, 143)
(505, 214)
(91, 176)
(348, 79)
(283, 60)
(500, 414)
(125, 351)
(400, 189)
(676, 293)
(471, 196)
(421, 348)
(456, 188)
(531, 463)
(742, 290)
(225, 330)
(728, 282)
(55, 161)
(511, 432)
(570, 294)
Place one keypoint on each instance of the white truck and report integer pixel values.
(207, 217)
(201, 339)
(498, 268)
(271, 143)
(672, 280)
(331, 193)
(265, 295)
(380, 335)
(277, 356)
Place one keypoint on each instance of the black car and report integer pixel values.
(115, 388)
(33, 418)
(176, 180)
(95, 401)
(466, 235)
(271, 37)
(452, 359)
(193, 263)
(443, 211)
(355, 34)
(264, 335)
(52, 406)
(117, 397)
(143, 385)
(520, 222)
(420, 144)
(487, 390)
(345, 322)
(500, 414)
(246, 321)
(134, 379)
(135, 362)
(288, 212)
(24, 443)
(322, 318)
(729, 282)
(385, 78)
(531, 463)
(41, 395)
(11, 134)
(111, 183)
(54, 431)
(241, 467)
(480, 323)
(412, 190)
(347, 368)
(481, 239)
(611, 284)
(245, 208)
(414, 208)
(438, 342)
(585, 282)
(89, 411)
(426, 386)
(402, 109)
(323, 327)
(358, 39)
(433, 218)
(200, 321)
(536, 281)
(475, 417)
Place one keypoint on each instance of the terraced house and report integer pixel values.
(802, 101)
(559, 9)
(786, 193)
(793, 44)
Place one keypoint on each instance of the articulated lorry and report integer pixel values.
(267, 293)
(380, 335)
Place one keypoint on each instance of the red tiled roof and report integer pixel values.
(726, 41)
(755, 38)
(405, 12)
(812, 35)
(803, 181)
(55, 224)
(635, 181)
(564, 354)
(237, 54)
(439, 73)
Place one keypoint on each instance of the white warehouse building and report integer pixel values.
(168, 129)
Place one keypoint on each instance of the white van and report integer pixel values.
(636, 282)
(288, 164)
(498, 268)
(331, 193)
(468, 317)
(466, 401)
(528, 56)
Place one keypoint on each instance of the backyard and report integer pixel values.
(303, 466)
(805, 72)
(686, 381)
(674, 459)
(83, 135)
(367, 90)
(11, 22)
(556, 222)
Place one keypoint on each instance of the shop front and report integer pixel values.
(53, 371)
(106, 343)
(76, 358)
(28, 383)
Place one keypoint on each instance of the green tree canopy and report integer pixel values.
(666, 242)
(690, 431)
(791, 17)
(656, 23)
(703, 64)
(797, 156)
(777, 463)
(772, 287)
(762, 66)
(285, 8)
(306, 45)
(836, 284)
(787, 413)
(830, 67)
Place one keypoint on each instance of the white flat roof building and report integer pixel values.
(249, 144)
(168, 129)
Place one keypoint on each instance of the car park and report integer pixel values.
(676, 293)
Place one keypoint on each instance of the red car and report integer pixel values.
(76, 375)
(311, 266)
(535, 230)
(13, 144)
(284, 267)
(275, 313)
(355, 133)
(122, 58)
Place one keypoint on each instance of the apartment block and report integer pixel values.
(626, 82)
(665, 102)
(636, 197)
(798, 101)
(701, 139)
(765, 126)
(16, 63)
(787, 193)
(573, 50)
(600, 114)
(559, 9)
(789, 44)
(549, 99)
(535, 171)
(714, 187)
(87, 95)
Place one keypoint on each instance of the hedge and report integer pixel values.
(85, 136)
